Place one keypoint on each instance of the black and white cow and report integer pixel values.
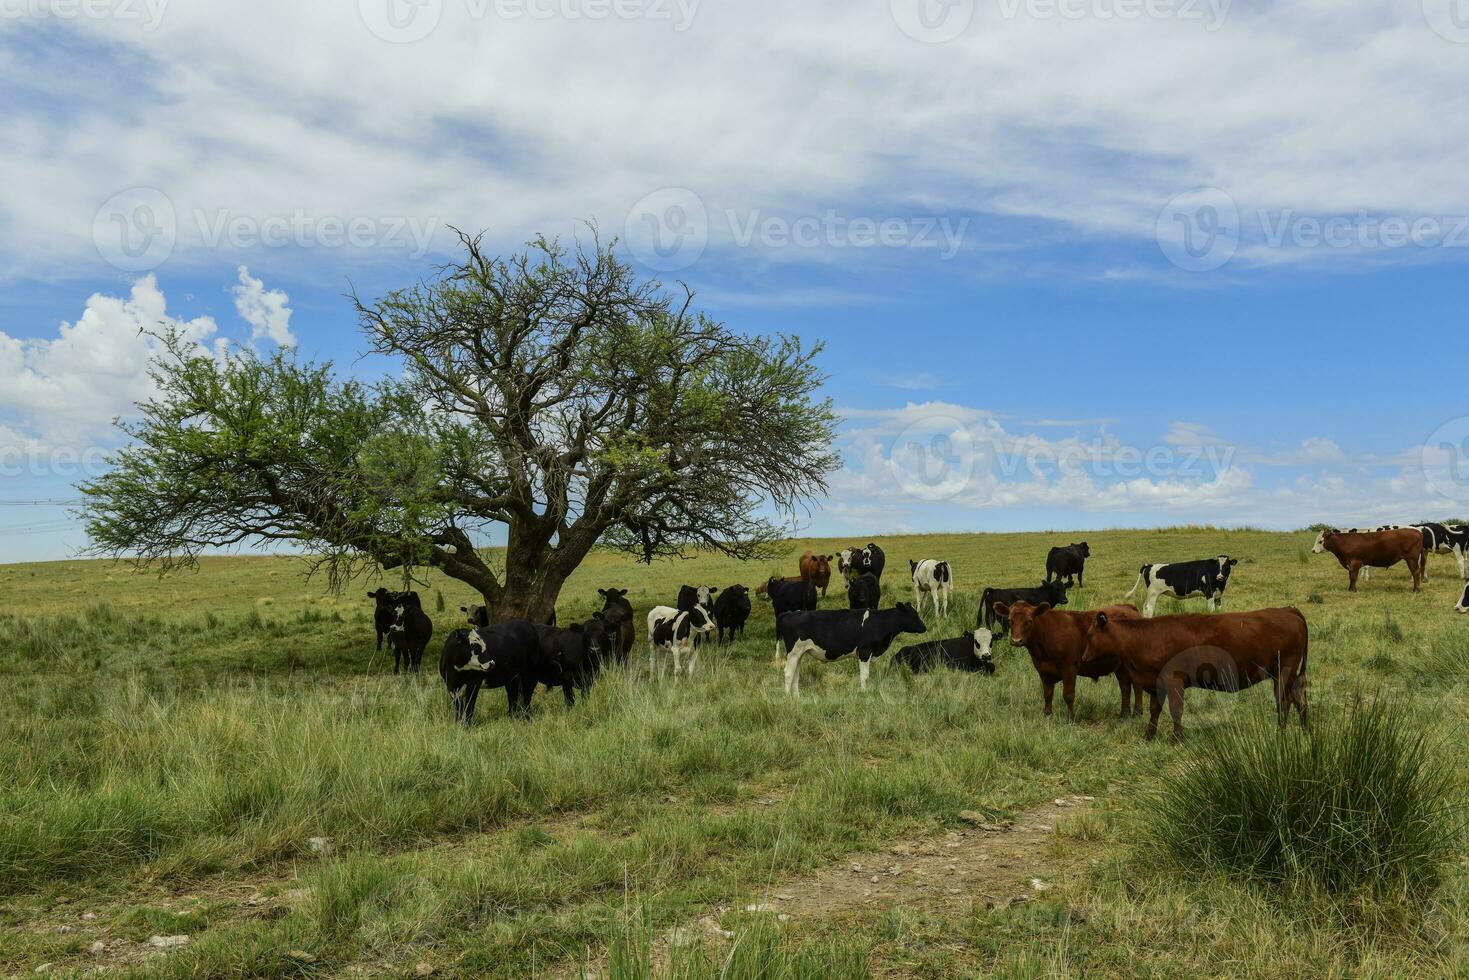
(934, 579)
(790, 596)
(864, 592)
(383, 612)
(1445, 539)
(969, 652)
(409, 635)
(1463, 605)
(702, 596)
(1182, 579)
(1053, 593)
(1068, 563)
(675, 630)
(836, 633)
(502, 655)
(731, 611)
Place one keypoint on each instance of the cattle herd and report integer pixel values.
(1159, 655)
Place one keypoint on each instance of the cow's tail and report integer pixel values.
(1141, 575)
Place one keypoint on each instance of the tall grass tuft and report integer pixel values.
(1361, 806)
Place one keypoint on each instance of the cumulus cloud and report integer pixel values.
(265, 310)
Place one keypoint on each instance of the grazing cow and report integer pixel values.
(1056, 641)
(617, 611)
(816, 569)
(731, 610)
(1445, 539)
(1378, 549)
(492, 656)
(383, 613)
(970, 652)
(675, 630)
(1054, 594)
(836, 633)
(864, 592)
(1069, 563)
(570, 658)
(409, 635)
(934, 579)
(1182, 579)
(1223, 652)
(790, 596)
(1463, 604)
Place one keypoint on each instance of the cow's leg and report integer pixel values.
(1150, 604)
(1124, 686)
(1298, 696)
(471, 700)
(1175, 707)
(793, 668)
(652, 659)
(1137, 697)
(1463, 566)
(1419, 568)
(676, 659)
(1048, 691)
(1155, 708)
(1354, 568)
(864, 667)
(693, 659)
(1068, 691)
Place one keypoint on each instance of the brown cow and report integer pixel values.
(1218, 652)
(1056, 641)
(816, 569)
(1375, 549)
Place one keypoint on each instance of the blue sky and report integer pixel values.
(1072, 269)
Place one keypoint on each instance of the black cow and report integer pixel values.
(1053, 592)
(409, 635)
(836, 633)
(864, 592)
(969, 652)
(617, 612)
(1068, 563)
(1206, 577)
(731, 610)
(790, 596)
(502, 655)
(571, 658)
(382, 614)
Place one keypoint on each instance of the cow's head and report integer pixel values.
(1101, 639)
(983, 639)
(597, 635)
(908, 619)
(1225, 564)
(1082, 550)
(1057, 591)
(1463, 605)
(912, 566)
(700, 621)
(1021, 617)
(822, 565)
(476, 615)
(479, 653)
(706, 595)
(1320, 544)
(736, 590)
(382, 596)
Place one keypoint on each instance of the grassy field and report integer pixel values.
(220, 755)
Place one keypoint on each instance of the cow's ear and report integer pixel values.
(713, 589)
(1233, 561)
(602, 593)
(1002, 610)
(1042, 609)
(464, 609)
(1101, 620)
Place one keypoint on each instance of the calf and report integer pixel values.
(934, 579)
(970, 652)
(816, 569)
(836, 633)
(383, 612)
(731, 610)
(675, 630)
(617, 613)
(502, 655)
(1056, 642)
(570, 658)
(1378, 549)
(1068, 563)
(1182, 579)
(1223, 652)
(790, 596)
(409, 635)
(1053, 594)
(863, 592)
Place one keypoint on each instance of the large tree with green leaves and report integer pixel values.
(552, 392)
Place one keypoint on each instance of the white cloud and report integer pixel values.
(265, 310)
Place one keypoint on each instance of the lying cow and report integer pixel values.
(1068, 563)
(1053, 594)
(787, 596)
(836, 633)
(1183, 579)
(970, 652)
(1222, 652)
(731, 611)
(934, 579)
(617, 613)
(864, 592)
(816, 569)
(502, 655)
(676, 630)
(383, 611)
(1056, 642)
(409, 635)
(1377, 549)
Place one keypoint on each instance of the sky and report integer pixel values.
(1075, 263)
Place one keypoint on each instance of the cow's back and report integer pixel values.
(1261, 637)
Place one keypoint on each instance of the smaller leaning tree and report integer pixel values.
(553, 393)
